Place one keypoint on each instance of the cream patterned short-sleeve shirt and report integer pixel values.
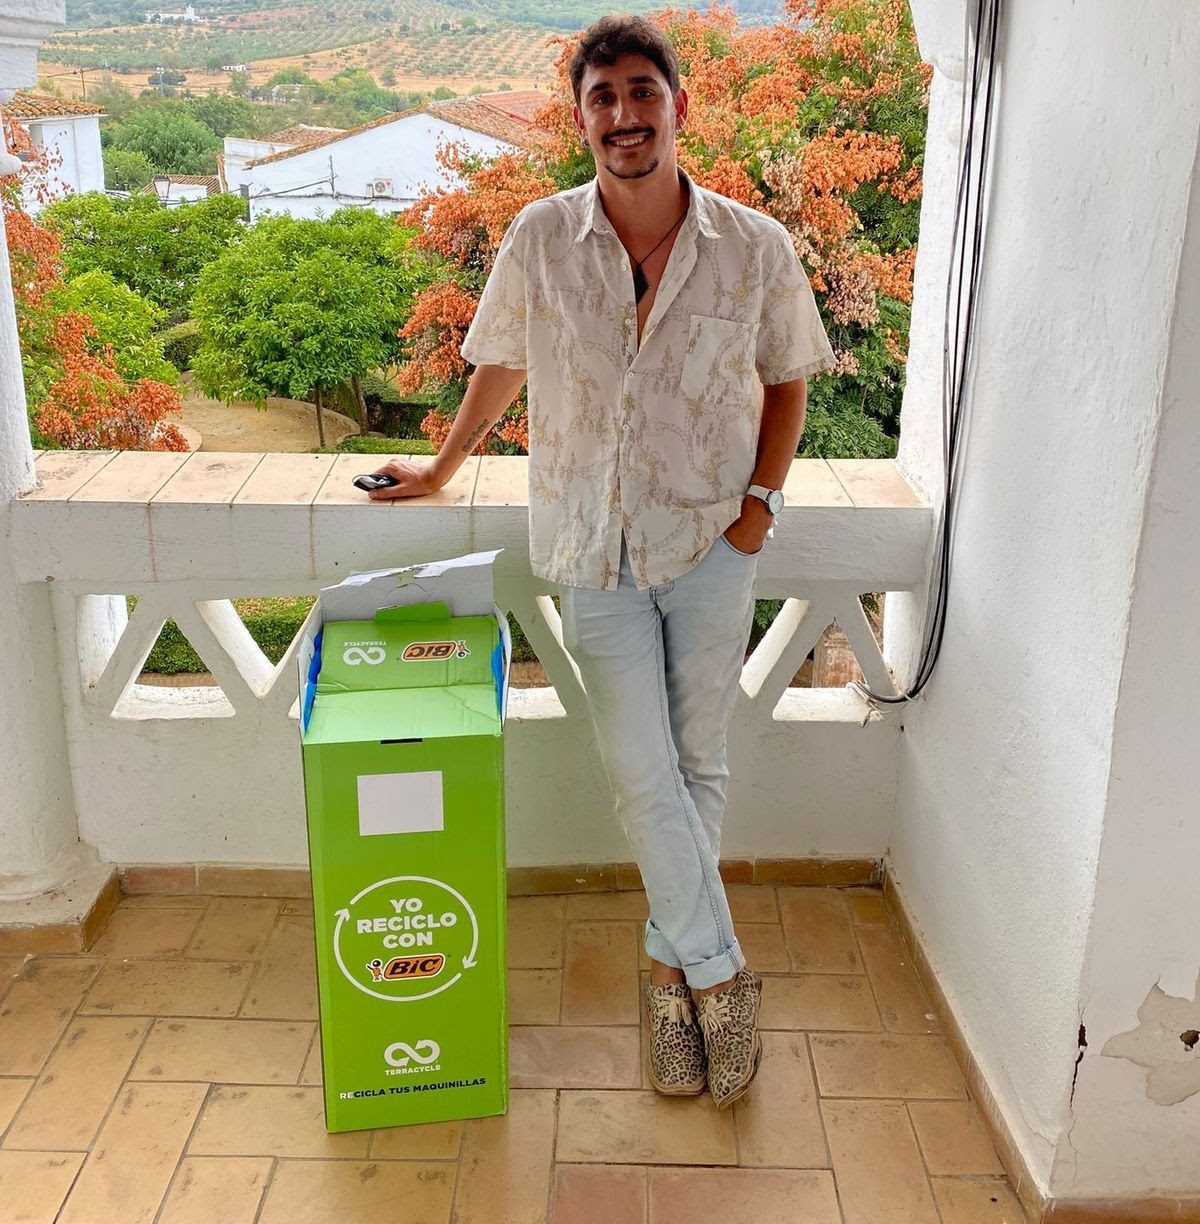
(656, 443)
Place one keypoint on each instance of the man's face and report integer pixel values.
(626, 114)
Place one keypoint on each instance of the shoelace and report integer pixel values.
(676, 1009)
(715, 1012)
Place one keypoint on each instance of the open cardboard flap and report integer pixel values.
(462, 584)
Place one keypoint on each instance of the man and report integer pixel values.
(640, 308)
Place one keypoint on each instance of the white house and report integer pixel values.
(63, 155)
(383, 165)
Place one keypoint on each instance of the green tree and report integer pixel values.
(224, 116)
(173, 141)
(300, 307)
(157, 252)
(122, 319)
(125, 170)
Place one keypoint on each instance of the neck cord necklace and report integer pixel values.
(640, 283)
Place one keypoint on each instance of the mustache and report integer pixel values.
(625, 135)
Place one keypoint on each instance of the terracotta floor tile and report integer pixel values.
(207, 1189)
(888, 1065)
(608, 906)
(599, 1194)
(260, 1121)
(10, 966)
(778, 1122)
(147, 932)
(867, 907)
(36, 1008)
(903, 1006)
(752, 903)
(717, 1196)
(954, 1138)
(225, 1051)
(135, 1154)
(600, 974)
(819, 1001)
(534, 996)
(878, 1167)
(424, 1141)
(506, 1163)
(984, 1200)
(818, 931)
(535, 932)
(12, 1093)
(74, 1092)
(235, 928)
(320, 1191)
(285, 983)
(34, 1184)
(643, 1128)
(574, 1057)
(164, 901)
(312, 1073)
(168, 988)
(763, 946)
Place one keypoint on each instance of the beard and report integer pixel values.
(640, 172)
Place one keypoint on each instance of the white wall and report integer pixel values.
(404, 151)
(1004, 767)
(1131, 1133)
(76, 141)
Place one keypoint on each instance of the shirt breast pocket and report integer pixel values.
(719, 359)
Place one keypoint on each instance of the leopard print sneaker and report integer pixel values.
(676, 1045)
(729, 1021)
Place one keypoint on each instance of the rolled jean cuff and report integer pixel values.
(716, 969)
(657, 947)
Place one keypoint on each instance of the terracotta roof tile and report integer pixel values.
(470, 113)
(479, 116)
(300, 134)
(521, 104)
(211, 182)
(30, 104)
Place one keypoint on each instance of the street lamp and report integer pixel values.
(162, 187)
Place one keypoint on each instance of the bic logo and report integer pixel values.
(354, 655)
(413, 966)
(399, 1053)
(423, 651)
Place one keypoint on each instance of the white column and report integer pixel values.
(39, 841)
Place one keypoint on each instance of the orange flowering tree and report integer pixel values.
(78, 395)
(818, 121)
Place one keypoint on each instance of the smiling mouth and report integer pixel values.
(632, 140)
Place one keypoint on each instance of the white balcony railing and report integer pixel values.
(212, 773)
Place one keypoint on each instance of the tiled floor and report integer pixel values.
(171, 1075)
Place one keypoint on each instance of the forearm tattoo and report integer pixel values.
(477, 433)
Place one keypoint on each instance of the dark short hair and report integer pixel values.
(606, 40)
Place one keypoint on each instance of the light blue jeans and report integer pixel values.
(661, 669)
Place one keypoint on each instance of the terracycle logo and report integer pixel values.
(352, 656)
(406, 938)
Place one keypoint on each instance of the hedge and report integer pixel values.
(180, 343)
(272, 623)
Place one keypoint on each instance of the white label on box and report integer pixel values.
(400, 803)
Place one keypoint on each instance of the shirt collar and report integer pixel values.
(593, 217)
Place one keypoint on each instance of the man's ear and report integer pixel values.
(575, 114)
(681, 107)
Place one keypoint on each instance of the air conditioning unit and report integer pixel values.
(381, 187)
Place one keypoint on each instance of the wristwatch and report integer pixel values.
(773, 497)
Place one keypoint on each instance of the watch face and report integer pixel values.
(775, 501)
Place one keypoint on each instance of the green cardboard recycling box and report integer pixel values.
(403, 684)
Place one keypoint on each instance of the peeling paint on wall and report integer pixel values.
(1166, 1042)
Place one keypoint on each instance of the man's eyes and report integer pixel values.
(607, 99)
